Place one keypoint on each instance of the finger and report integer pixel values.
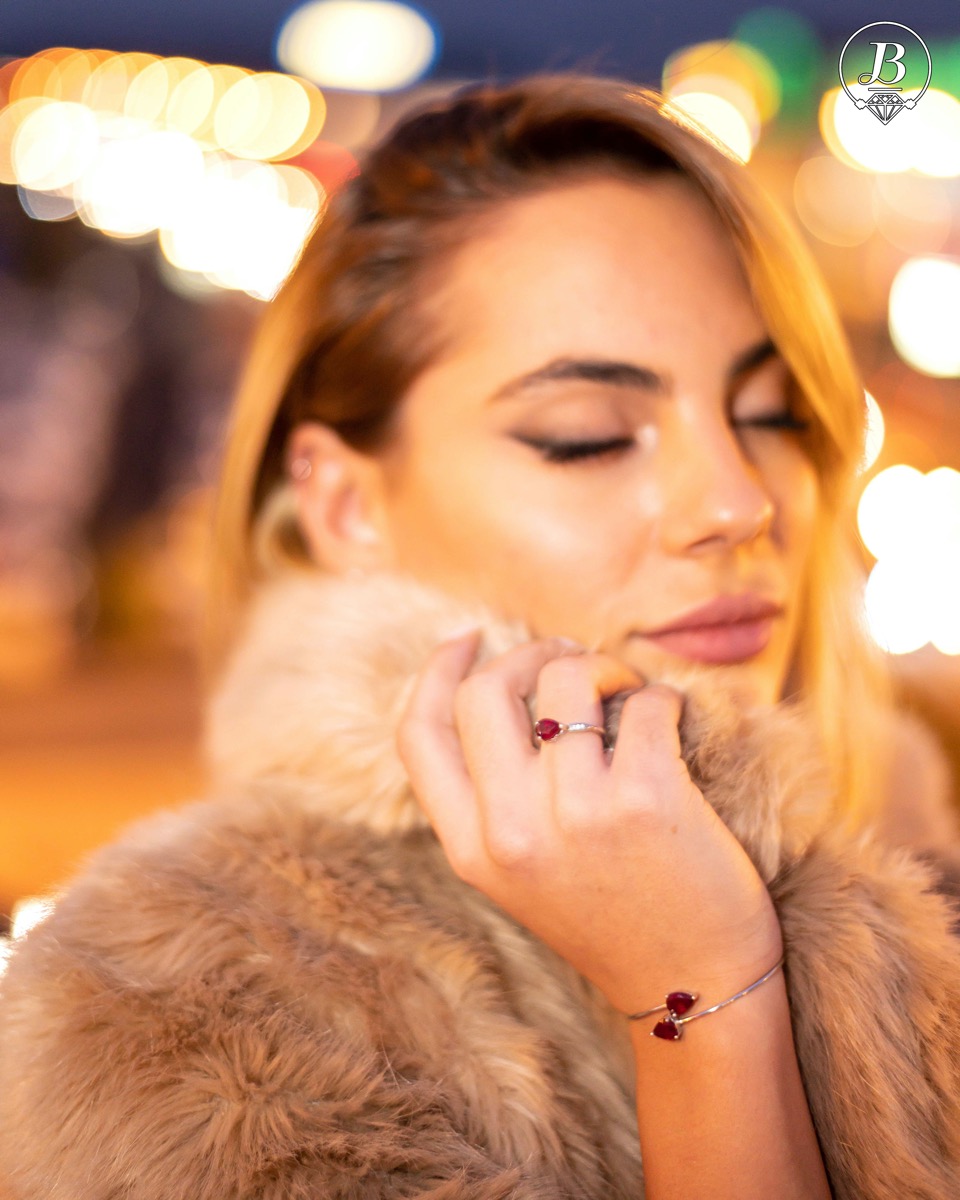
(572, 690)
(492, 710)
(648, 741)
(430, 749)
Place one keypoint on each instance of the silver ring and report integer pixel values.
(548, 730)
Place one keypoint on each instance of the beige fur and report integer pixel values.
(283, 991)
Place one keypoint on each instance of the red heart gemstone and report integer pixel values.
(667, 1030)
(681, 1002)
(547, 729)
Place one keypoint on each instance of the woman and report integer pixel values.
(553, 368)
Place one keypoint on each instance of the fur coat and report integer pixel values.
(282, 991)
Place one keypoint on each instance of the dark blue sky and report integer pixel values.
(480, 37)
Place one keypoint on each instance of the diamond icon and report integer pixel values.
(885, 106)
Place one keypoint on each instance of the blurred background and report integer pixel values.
(160, 165)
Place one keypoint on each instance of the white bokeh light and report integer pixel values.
(139, 182)
(245, 226)
(910, 522)
(925, 139)
(874, 433)
(54, 145)
(361, 45)
(897, 622)
(936, 134)
(891, 511)
(719, 117)
(924, 314)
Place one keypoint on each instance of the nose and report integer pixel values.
(714, 497)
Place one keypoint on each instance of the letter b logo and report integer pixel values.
(880, 61)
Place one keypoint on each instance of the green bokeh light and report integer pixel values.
(945, 57)
(793, 48)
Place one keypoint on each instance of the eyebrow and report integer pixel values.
(614, 373)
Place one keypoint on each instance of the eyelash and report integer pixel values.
(567, 452)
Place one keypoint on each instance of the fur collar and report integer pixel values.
(311, 697)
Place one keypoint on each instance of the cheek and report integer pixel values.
(467, 501)
(475, 513)
(470, 488)
(795, 488)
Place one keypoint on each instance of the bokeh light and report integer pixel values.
(732, 63)
(924, 139)
(860, 140)
(874, 435)
(135, 145)
(834, 201)
(106, 89)
(268, 115)
(363, 45)
(141, 182)
(70, 76)
(924, 314)
(936, 134)
(892, 511)
(47, 206)
(245, 225)
(35, 74)
(913, 212)
(190, 104)
(717, 117)
(910, 522)
(11, 118)
(148, 94)
(789, 44)
(54, 145)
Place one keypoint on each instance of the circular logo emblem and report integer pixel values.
(885, 68)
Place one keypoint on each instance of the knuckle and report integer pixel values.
(474, 692)
(638, 799)
(656, 701)
(567, 668)
(511, 847)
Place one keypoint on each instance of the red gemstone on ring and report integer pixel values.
(680, 1002)
(667, 1030)
(546, 728)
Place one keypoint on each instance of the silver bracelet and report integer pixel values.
(678, 1003)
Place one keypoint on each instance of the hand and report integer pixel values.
(613, 858)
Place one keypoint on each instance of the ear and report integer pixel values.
(339, 499)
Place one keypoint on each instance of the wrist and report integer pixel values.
(703, 971)
(708, 985)
(681, 1008)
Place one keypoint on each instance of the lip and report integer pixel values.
(734, 642)
(724, 610)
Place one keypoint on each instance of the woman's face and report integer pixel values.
(610, 314)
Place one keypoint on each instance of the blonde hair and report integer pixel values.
(345, 337)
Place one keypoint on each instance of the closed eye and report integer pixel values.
(566, 452)
(784, 420)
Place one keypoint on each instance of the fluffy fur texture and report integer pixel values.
(283, 992)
